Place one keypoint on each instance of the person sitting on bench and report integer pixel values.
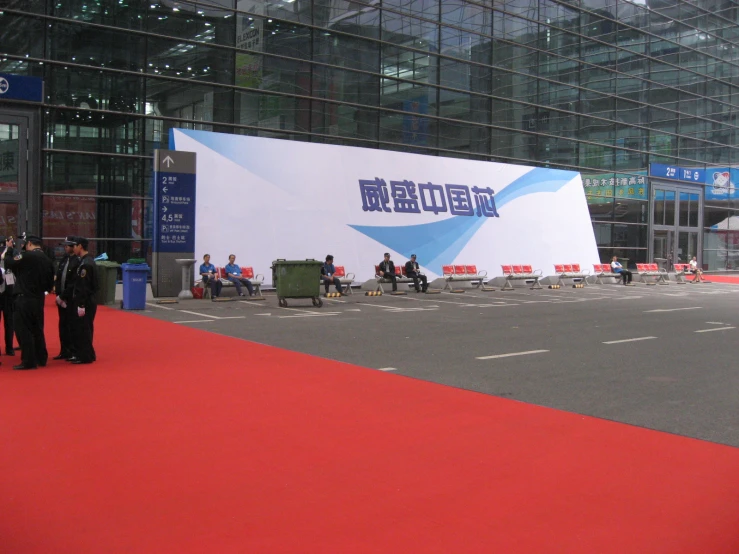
(413, 271)
(328, 275)
(625, 274)
(387, 271)
(208, 274)
(695, 270)
(233, 274)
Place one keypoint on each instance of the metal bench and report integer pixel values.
(520, 273)
(681, 270)
(603, 271)
(451, 273)
(652, 270)
(247, 273)
(570, 271)
(346, 279)
(400, 277)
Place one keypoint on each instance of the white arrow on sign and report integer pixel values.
(169, 161)
(164, 209)
(164, 190)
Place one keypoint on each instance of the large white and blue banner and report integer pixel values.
(264, 199)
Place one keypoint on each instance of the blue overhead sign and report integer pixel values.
(675, 173)
(19, 87)
(174, 201)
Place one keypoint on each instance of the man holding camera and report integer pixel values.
(34, 275)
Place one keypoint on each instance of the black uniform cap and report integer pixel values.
(33, 239)
(82, 241)
(70, 241)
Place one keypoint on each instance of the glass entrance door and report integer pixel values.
(13, 172)
(677, 217)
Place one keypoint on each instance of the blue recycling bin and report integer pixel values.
(134, 286)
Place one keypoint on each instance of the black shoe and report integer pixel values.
(9, 352)
(72, 359)
(60, 357)
(77, 362)
(24, 366)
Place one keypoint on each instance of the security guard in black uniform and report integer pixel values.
(66, 273)
(6, 296)
(84, 304)
(34, 274)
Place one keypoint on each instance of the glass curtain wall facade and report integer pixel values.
(605, 87)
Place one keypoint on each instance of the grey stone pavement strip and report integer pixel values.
(660, 357)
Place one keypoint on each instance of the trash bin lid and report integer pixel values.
(108, 264)
(135, 267)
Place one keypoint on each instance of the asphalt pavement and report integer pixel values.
(660, 357)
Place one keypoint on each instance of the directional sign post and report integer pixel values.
(174, 219)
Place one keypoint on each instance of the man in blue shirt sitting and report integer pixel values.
(328, 275)
(625, 274)
(233, 274)
(208, 274)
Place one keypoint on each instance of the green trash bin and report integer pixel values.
(297, 279)
(107, 274)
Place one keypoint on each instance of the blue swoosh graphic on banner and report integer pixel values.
(440, 242)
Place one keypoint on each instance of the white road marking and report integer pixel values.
(264, 314)
(199, 314)
(511, 354)
(195, 321)
(388, 368)
(628, 340)
(158, 306)
(714, 329)
(672, 309)
(325, 314)
(715, 322)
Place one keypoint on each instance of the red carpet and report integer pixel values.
(182, 441)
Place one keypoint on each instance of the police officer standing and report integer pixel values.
(84, 304)
(66, 273)
(34, 274)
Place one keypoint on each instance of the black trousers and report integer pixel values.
(416, 277)
(29, 328)
(215, 285)
(84, 331)
(392, 278)
(66, 334)
(626, 275)
(6, 311)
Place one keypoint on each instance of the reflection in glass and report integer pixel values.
(10, 157)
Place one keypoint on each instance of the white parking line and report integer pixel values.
(511, 354)
(158, 306)
(195, 321)
(199, 314)
(628, 340)
(388, 368)
(672, 309)
(714, 329)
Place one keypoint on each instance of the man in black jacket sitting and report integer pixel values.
(387, 271)
(413, 271)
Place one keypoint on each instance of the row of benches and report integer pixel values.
(470, 273)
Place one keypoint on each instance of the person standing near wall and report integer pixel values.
(64, 287)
